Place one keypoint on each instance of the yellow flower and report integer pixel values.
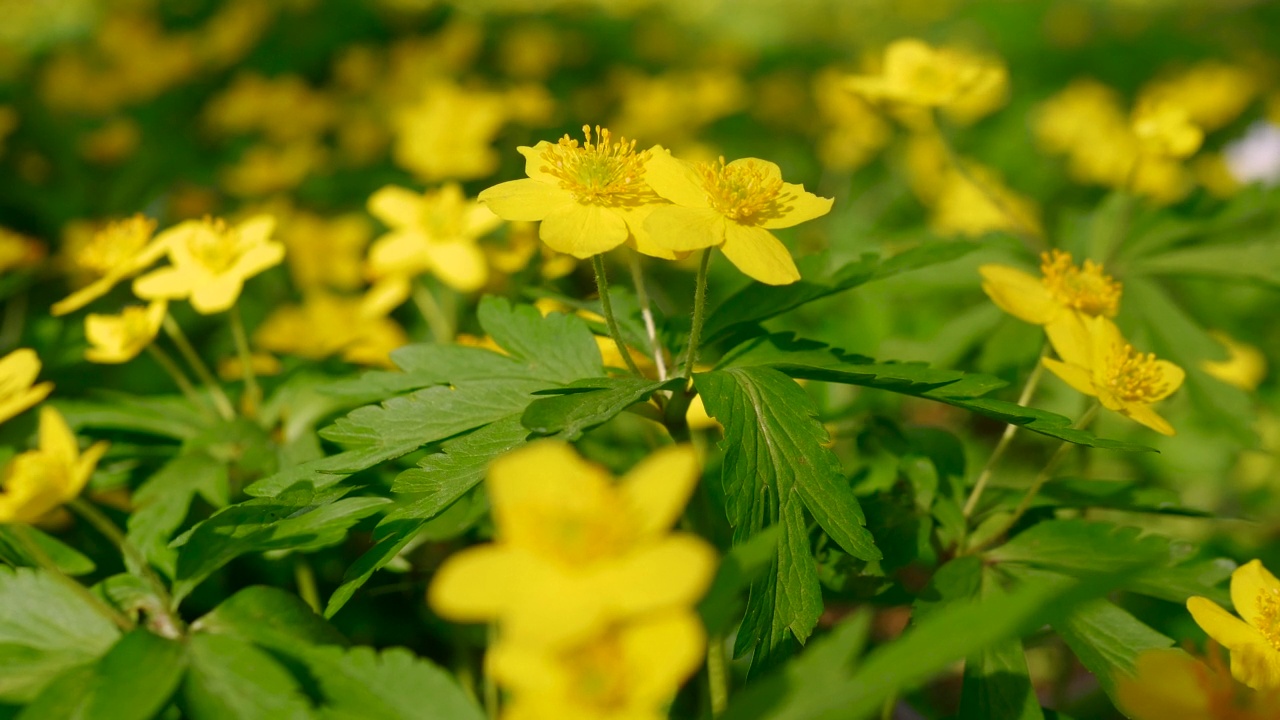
(448, 134)
(916, 74)
(211, 262)
(264, 169)
(1170, 684)
(1245, 366)
(631, 671)
(854, 132)
(18, 251)
(106, 256)
(590, 197)
(1254, 642)
(522, 247)
(1097, 361)
(325, 325)
(1166, 130)
(575, 552)
(325, 253)
(38, 481)
(435, 233)
(731, 206)
(1062, 289)
(119, 338)
(977, 202)
(1212, 93)
(18, 391)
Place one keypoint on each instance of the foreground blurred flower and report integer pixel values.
(631, 671)
(1245, 366)
(731, 206)
(106, 256)
(1062, 289)
(1169, 684)
(18, 391)
(574, 552)
(434, 232)
(590, 198)
(38, 481)
(119, 338)
(1254, 642)
(1097, 361)
(211, 262)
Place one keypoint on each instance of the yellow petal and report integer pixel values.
(85, 295)
(550, 607)
(1073, 342)
(660, 652)
(83, 470)
(523, 669)
(534, 486)
(583, 230)
(682, 229)
(1165, 684)
(396, 207)
(1171, 378)
(756, 252)
(674, 179)
(167, 283)
(216, 295)
(18, 370)
(1077, 377)
(460, 265)
(797, 206)
(526, 200)
(672, 572)
(1146, 415)
(641, 241)
(256, 229)
(401, 252)
(474, 584)
(1254, 588)
(56, 438)
(534, 162)
(1019, 294)
(656, 490)
(386, 295)
(258, 258)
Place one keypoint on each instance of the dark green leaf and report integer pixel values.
(269, 617)
(393, 685)
(568, 416)
(230, 678)
(997, 682)
(162, 502)
(66, 558)
(741, 567)
(960, 579)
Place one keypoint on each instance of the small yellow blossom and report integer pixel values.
(434, 233)
(1063, 288)
(918, 75)
(448, 134)
(590, 197)
(732, 206)
(325, 325)
(111, 143)
(976, 202)
(1170, 684)
(630, 671)
(1212, 93)
(1097, 361)
(36, 482)
(101, 258)
(575, 552)
(231, 368)
(1254, 642)
(853, 131)
(18, 391)
(18, 252)
(211, 261)
(325, 252)
(119, 338)
(1166, 130)
(1245, 366)
(522, 247)
(264, 169)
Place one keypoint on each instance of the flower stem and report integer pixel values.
(699, 313)
(220, 399)
(305, 578)
(717, 675)
(602, 284)
(439, 324)
(252, 393)
(492, 707)
(1010, 430)
(47, 564)
(179, 378)
(646, 312)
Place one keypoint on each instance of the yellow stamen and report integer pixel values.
(602, 171)
(739, 192)
(1135, 376)
(1086, 289)
(1269, 617)
(114, 245)
(215, 246)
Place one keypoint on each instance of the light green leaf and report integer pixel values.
(64, 557)
(230, 678)
(391, 685)
(171, 417)
(997, 682)
(161, 503)
(270, 617)
(1251, 260)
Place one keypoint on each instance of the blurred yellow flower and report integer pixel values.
(671, 108)
(8, 123)
(915, 74)
(325, 325)
(1212, 93)
(1254, 642)
(325, 252)
(522, 247)
(18, 251)
(631, 671)
(1166, 130)
(264, 169)
(448, 134)
(103, 257)
(1097, 361)
(1063, 288)
(111, 143)
(1169, 684)
(1245, 366)
(590, 198)
(119, 338)
(211, 261)
(853, 132)
(731, 206)
(435, 232)
(574, 552)
(976, 202)
(284, 108)
(37, 481)
(18, 391)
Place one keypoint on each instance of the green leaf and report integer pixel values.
(775, 465)
(391, 685)
(739, 568)
(558, 347)
(1131, 496)
(959, 579)
(66, 558)
(163, 500)
(171, 417)
(569, 415)
(45, 629)
(997, 682)
(1250, 260)
(269, 617)
(301, 518)
(230, 678)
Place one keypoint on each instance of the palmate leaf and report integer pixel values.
(776, 467)
(393, 685)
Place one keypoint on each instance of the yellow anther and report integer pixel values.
(741, 191)
(1135, 376)
(1087, 289)
(597, 171)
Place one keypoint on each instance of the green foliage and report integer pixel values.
(393, 684)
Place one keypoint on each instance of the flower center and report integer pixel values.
(602, 171)
(1269, 617)
(1135, 376)
(599, 673)
(115, 244)
(1086, 289)
(741, 191)
(215, 247)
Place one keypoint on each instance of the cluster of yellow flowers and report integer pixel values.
(591, 592)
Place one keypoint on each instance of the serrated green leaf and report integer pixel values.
(161, 503)
(270, 617)
(391, 685)
(45, 629)
(66, 558)
(230, 678)
(559, 347)
(568, 416)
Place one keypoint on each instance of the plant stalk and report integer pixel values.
(1028, 390)
(602, 284)
(220, 399)
(252, 393)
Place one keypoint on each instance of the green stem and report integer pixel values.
(1010, 430)
(252, 393)
(491, 703)
(179, 378)
(646, 312)
(602, 284)
(47, 564)
(305, 578)
(717, 675)
(699, 313)
(220, 399)
(439, 324)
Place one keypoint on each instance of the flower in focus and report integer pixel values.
(103, 257)
(18, 391)
(590, 197)
(119, 338)
(326, 324)
(1254, 641)
(1097, 361)
(434, 233)
(731, 206)
(1168, 684)
(211, 261)
(1063, 288)
(37, 481)
(917, 75)
(630, 671)
(575, 552)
